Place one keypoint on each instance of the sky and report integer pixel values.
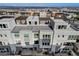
(41, 4)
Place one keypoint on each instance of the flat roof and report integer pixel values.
(58, 20)
(32, 18)
(32, 28)
(44, 18)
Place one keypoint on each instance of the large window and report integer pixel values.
(27, 43)
(72, 37)
(46, 40)
(3, 26)
(62, 26)
(46, 43)
(16, 34)
(46, 36)
(26, 37)
(36, 42)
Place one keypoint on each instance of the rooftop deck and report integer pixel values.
(32, 28)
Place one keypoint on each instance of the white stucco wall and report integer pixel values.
(43, 14)
(31, 41)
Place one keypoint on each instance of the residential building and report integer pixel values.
(38, 30)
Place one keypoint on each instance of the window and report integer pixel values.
(16, 34)
(72, 37)
(36, 42)
(56, 43)
(62, 35)
(29, 22)
(46, 36)
(26, 35)
(0, 35)
(4, 25)
(0, 43)
(59, 27)
(0, 25)
(49, 36)
(27, 43)
(42, 43)
(36, 35)
(5, 35)
(58, 35)
(47, 22)
(77, 38)
(62, 26)
(60, 43)
(35, 22)
(45, 43)
(18, 43)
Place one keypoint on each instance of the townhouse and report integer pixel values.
(37, 32)
(64, 32)
(6, 25)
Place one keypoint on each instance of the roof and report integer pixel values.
(2, 17)
(32, 18)
(58, 20)
(32, 28)
(6, 18)
(44, 18)
(21, 18)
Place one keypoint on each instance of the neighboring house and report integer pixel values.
(6, 25)
(33, 21)
(44, 21)
(63, 32)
